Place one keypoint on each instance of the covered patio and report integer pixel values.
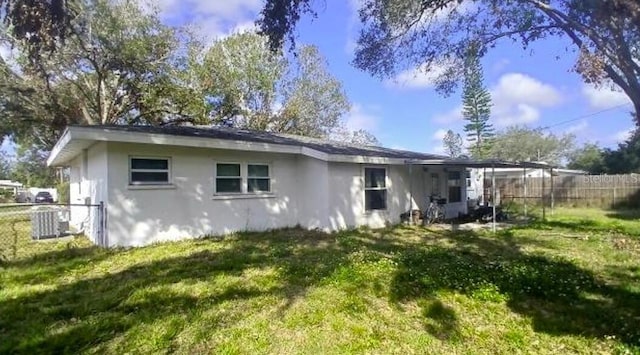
(448, 180)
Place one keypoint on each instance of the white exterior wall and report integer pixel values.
(312, 180)
(139, 215)
(452, 210)
(346, 197)
(88, 185)
(309, 192)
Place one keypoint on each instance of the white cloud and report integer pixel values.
(578, 127)
(449, 117)
(437, 149)
(604, 97)
(622, 136)
(511, 113)
(439, 135)
(500, 65)
(211, 19)
(521, 88)
(358, 118)
(517, 99)
(418, 78)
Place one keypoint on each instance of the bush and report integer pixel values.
(6, 196)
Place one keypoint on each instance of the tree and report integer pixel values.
(434, 34)
(249, 86)
(529, 144)
(119, 64)
(31, 167)
(476, 103)
(589, 157)
(314, 101)
(626, 158)
(240, 77)
(452, 144)
(5, 168)
(40, 25)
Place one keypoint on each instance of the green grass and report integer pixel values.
(553, 287)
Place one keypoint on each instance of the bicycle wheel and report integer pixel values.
(429, 216)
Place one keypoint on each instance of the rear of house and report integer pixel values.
(160, 184)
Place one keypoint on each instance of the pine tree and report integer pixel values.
(476, 101)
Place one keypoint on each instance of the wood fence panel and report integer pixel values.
(604, 191)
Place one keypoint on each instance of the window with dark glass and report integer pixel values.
(228, 178)
(375, 189)
(454, 183)
(149, 171)
(258, 179)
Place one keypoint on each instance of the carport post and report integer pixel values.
(493, 192)
(524, 178)
(410, 193)
(544, 209)
(552, 192)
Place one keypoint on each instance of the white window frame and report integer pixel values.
(246, 182)
(365, 188)
(215, 178)
(244, 179)
(150, 183)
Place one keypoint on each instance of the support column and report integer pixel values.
(552, 192)
(493, 191)
(410, 194)
(524, 178)
(544, 208)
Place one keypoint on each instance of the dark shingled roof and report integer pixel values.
(234, 134)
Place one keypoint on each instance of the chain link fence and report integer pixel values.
(29, 229)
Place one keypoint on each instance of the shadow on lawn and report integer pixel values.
(558, 296)
(625, 215)
(86, 314)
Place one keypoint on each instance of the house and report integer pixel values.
(9, 185)
(167, 183)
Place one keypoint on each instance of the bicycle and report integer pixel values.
(435, 212)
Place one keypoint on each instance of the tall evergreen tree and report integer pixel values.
(476, 101)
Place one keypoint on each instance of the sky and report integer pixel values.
(534, 87)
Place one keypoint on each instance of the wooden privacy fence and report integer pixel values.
(604, 191)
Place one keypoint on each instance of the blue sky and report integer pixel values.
(531, 87)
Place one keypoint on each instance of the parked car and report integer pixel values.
(43, 197)
(22, 197)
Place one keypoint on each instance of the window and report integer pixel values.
(258, 178)
(435, 184)
(375, 189)
(228, 178)
(149, 171)
(454, 183)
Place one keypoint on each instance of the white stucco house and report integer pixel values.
(167, 183)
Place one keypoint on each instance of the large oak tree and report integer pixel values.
(118, 64)
(397, 34)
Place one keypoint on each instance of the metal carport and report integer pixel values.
(489, 163)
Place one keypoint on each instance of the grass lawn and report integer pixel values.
(571, 284)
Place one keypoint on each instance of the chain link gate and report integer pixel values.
(30, 229)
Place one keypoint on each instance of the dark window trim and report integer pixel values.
(385, 188)
(147, 183)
